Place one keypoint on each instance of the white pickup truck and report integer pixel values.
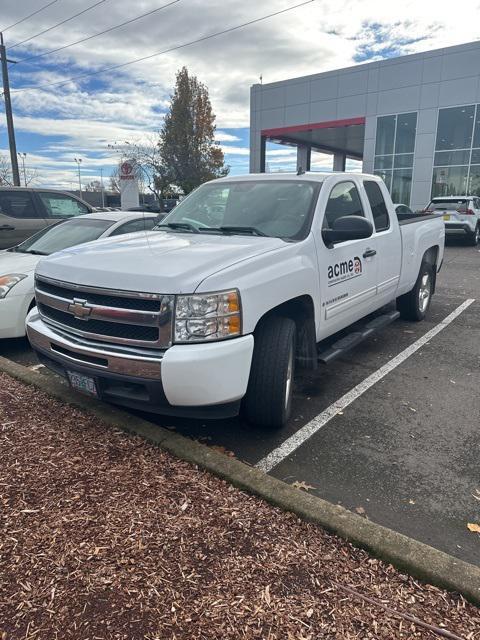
(242, 282)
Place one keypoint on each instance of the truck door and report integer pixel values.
(348, 270)
(19, 218)
(388, 243)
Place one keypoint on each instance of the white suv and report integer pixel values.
(461, 215)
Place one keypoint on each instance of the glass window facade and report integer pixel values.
(394, 148)
(456, 169)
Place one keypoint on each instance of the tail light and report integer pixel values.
(470, 212)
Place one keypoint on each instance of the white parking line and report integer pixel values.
(299, 437)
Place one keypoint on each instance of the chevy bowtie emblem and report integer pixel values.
(80, 309)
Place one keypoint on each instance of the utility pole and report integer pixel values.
(8, 113)
(101, 183)
(23, 156)
(79, 162)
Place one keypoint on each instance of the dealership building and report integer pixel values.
(414, 120)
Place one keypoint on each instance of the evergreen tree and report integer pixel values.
(189, 154)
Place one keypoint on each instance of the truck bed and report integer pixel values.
(409, 218)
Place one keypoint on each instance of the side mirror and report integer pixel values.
(348, 228)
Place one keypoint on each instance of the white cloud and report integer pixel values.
(87, 115)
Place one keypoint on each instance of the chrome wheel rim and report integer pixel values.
(288, 385)
(424, 293)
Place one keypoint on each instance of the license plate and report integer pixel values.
(82, 383)
(446, 217)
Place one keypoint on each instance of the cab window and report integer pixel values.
(344, 200)
(58, 205)
(17, 204)
(377, 205)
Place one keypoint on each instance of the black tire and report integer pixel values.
(474, 238)
(414, 305)
(268, 400)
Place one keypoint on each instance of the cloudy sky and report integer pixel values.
(65, 118)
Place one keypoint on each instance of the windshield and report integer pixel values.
(63, 235)
(450, 203)
(275, 208)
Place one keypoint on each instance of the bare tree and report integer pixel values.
(93, 185)
(6, 177)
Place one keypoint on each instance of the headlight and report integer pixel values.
(9, 281)
(212, 316)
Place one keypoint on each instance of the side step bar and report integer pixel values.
(350, 341)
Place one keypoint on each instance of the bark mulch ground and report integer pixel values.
(106, 537)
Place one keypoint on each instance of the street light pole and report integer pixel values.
(79, 162)
(23, 156)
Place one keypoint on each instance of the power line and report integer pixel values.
(101, 33)
(30, 15)
(17, 44)
(159, 53)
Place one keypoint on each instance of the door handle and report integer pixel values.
(369, 253)
(7, 227)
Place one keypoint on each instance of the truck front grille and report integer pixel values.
(103, 299)
(139, 319)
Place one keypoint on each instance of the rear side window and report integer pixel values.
(61, 206)
(343, 201)
(142, 224)
(377, 205)
(17, 204)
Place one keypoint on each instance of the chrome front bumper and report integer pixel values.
(102, 357)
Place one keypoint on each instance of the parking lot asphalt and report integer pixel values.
(404, 453)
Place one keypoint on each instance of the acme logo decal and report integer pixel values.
(345, 270)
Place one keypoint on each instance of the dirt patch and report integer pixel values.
(104, 536)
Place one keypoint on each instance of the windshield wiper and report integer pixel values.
(231, 228)
(35, 253)
(184, 226)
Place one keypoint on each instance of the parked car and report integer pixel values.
(17, 264)
(169, 203)
(223, 305)
(402, 209)
(24, 211)
(461, 215)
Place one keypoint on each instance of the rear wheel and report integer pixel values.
(474, 237)
(268, 400)
(415, 304)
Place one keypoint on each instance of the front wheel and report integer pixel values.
(474, 237)
(268, 401)
(415, 304)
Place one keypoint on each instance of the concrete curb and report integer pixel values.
(407, 554)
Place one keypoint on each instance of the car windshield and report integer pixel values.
(275, 208)
(63, 235)
(450, 203)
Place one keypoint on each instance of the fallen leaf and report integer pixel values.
(302, 485)
(221, 449)
(360, 510)
(473, 527)
(309, 613)
(267, 594)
